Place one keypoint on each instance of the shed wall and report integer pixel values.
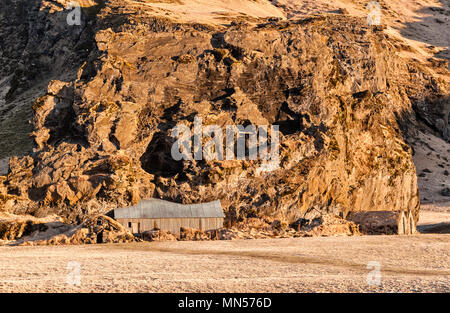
(171, 224)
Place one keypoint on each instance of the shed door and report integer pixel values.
(135, 228)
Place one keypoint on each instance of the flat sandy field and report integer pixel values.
(418, 263)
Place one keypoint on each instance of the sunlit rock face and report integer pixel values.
(102, 130)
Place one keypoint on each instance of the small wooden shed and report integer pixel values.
(153, 214)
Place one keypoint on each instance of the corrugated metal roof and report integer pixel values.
(156, 208)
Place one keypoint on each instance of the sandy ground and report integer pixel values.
(419, 263)
(210, 12)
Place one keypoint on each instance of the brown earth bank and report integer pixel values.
(419, 263)
(351, 100)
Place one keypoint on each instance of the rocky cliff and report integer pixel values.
(132, 70)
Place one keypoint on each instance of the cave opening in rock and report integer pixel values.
(289, 127)
(100, 237)
(158, 160)
(291, 122)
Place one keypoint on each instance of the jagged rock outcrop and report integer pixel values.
(52, 230)
(333, 85)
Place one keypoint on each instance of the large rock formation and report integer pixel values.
(118, 83)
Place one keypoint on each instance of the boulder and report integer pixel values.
(445, 192)
(384, 222)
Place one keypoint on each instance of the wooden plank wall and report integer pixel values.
(171, 224)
